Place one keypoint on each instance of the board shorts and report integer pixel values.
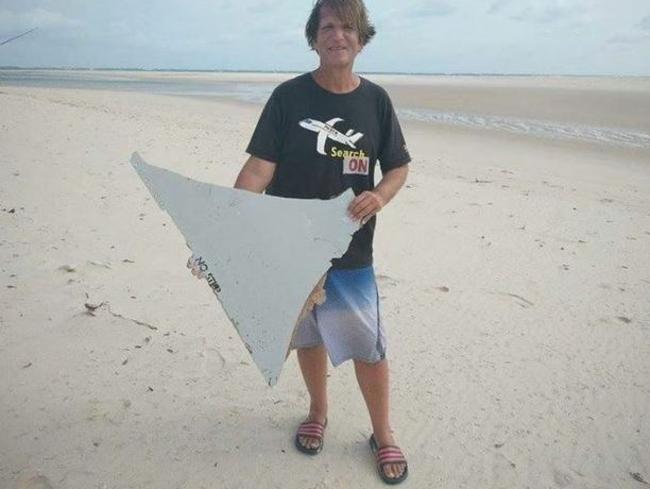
(348, 322)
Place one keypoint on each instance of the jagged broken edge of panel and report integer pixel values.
(138, 163)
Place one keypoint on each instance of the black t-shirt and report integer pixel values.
(324, 143)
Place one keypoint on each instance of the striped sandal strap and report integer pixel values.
(311, 429)
(389, 454)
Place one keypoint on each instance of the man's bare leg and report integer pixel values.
(313, 364)
(373, 380)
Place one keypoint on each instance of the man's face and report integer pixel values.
(337, 42)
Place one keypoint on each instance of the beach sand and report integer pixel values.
(514, 272)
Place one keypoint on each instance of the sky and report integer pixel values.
(582, 37)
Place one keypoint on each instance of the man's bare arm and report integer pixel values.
(255, 175)
(370, 202)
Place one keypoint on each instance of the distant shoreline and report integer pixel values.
(605, 111)
(284, 72)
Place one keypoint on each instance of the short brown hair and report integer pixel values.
(351, 11)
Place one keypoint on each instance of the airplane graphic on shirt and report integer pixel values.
(326, 130)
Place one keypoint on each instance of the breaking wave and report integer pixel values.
(531, 127)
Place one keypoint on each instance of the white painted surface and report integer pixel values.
(264, 254)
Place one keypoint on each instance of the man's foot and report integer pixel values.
(391, 463)
(309, 436)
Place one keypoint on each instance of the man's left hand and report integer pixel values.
(364, 206)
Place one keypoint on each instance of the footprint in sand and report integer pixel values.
(386, 280)
(562, 479)
(35, 482)
(552, 185)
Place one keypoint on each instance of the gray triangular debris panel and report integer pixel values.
(264, 254)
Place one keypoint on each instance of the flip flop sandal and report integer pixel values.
(389, 454)
(311, 429)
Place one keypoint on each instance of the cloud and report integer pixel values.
(437, 8)
(640, 35)
(546, 13)
(629, 39)
(645, 23)
(498, 6)
(263, 7)
(540, 11)
(37, 17)
(413, 17)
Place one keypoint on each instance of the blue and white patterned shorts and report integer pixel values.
(348, 322)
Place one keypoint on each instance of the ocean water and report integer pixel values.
(187, 84)
(252, 92)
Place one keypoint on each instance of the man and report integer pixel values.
(319, 134)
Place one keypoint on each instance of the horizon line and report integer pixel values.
(283, 71)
